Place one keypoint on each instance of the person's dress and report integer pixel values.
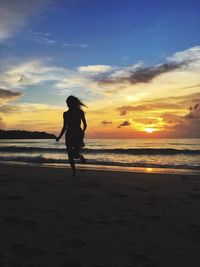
(74, 134)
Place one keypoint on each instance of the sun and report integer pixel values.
(149, 130)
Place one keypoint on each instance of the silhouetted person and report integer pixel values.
(74, 133)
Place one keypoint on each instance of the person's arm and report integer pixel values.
(63, 129)
(84, 122)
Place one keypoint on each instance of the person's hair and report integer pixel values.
(74, 103)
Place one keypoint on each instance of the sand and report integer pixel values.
(98, 218)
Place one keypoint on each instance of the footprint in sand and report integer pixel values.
(8, 261)
(33, 265)
(71, 264)
(194, 196)
(11, 198)
(86, 220)
(36, 188)
(139, 259)
(28, 251)
(118, 194)
(194, 238)
(183, 177)
(51, 211)
(194, 230)
(193, 227)
(196, 188)
(30, 224)
(74, 243)
(149, 204)
(103, 222)
(149, 217)
(13, 221)
(84, 195)
(63, 253)
(4, 181)
(121, 222)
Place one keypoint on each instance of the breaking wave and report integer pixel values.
(129, 151)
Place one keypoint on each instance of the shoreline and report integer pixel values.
(110, 168)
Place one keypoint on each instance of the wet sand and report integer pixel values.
(99, 218)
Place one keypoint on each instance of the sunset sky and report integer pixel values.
(135, 64)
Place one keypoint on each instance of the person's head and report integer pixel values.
(74, 103)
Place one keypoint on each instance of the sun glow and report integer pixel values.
(149, 130)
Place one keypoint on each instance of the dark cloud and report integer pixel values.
(186, 129)
(125, 123)
(7, 94)
(141, 74)
(187, 126)
(194, 112)
(105, 123)
(171, 118)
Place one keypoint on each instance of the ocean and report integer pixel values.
(151, 153)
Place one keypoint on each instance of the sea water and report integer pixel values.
(148, 153)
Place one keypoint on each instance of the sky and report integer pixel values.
(135, 64)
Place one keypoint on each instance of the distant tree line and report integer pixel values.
(17, 134)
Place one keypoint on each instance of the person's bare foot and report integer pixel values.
(83, 160)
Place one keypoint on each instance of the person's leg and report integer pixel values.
(77, 154)
(70, 152)
(83, 160)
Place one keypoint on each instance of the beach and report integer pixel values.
(98, 218)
